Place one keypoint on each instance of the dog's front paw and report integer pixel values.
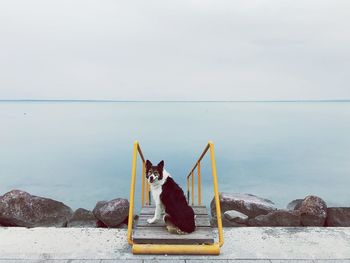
(151, 220)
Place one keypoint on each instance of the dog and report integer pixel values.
(179, 217)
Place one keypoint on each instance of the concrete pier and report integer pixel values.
(242, 245)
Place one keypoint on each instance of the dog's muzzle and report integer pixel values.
(151, 179)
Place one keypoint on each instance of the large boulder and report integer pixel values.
(286, 218)
(313, 211)
(295, 204)
(82, 218)
(248, 204)
(19, 208)
(338, 216)
(112, 213)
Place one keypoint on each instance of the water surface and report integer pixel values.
(80, 152)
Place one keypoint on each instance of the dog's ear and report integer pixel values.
(148, 164)
(161, 164)
(160, 167)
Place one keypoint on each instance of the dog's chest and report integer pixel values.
(156, 191)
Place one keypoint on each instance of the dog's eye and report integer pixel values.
(148, 174)
(156, 173)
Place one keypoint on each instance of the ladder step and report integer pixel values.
(201, 221)
(198, 210)
(159, 235)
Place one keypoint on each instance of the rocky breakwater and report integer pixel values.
(250, 210)
(21, 209)
(237, 208)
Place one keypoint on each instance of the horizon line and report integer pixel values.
(113, 101)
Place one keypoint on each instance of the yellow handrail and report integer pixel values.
(214, 248)
(192, 188)
(199, 184)
(136, 150)
(143, 185)
(132, 192)
(210, 147)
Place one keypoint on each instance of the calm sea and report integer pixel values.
(80, 152)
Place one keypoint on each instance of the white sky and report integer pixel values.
(175, 50)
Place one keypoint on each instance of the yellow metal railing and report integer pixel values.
(165, 248)
(137, 151)
(210, 147)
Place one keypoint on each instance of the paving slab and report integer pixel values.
(292, 261)
(243, 244)
(164, 261)
(331, 260)
(208, 261)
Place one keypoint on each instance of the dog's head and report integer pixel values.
(154, 173)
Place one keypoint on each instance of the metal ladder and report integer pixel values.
(155, 239)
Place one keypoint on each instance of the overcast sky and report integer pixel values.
(175, 50)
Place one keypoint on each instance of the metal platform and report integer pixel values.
(154, 238)
(156, 233)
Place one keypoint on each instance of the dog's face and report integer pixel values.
(154, 173)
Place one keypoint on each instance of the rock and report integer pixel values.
(247, 204)
(286, 218)
(313, 211)
(19, 208)
(295, 204)
(100, 224)
(338, 216)
(112, 213)
(123, 226)
(235, 216)
(225, 222)
(82, 218)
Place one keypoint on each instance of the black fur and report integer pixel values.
(174, 201)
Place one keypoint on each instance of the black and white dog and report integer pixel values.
(179, 216)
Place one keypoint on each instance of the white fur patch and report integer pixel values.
(156, 190)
